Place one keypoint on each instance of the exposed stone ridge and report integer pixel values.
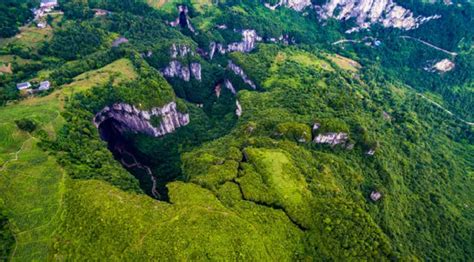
(367, 12)
(240, 72)
(184, 72)
(131, 119)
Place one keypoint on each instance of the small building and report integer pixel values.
(45, 85)
(23, 86)
(48, 4)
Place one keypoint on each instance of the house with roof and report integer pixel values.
(43, 86)
(23, 86)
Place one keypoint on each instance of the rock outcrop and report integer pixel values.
(179, 50)
(238, 110)
(297, 5)
(183, 19)
(375, 196)
(367, 12)
(229, 86)
(184, 72)
(128, 118)
(240, 72)
(248, 43)
(444, 65)
(332, 138)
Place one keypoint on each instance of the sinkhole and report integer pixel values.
(124, 150)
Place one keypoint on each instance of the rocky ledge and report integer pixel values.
(240, 72)
(332, 138)
(128, 118)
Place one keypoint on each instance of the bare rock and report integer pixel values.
(331, 138)
(240, 72)
(131, 119)
(375, 196)
(238, 110)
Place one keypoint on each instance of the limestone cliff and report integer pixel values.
(248, 43)
(240, 72)
(128, 118)
(367, 12)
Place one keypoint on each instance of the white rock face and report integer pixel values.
(297, 5)
(184, 72)
(180, 50)
(249, 40)
(240, 72)
(238, 111)
(331, 138)
(248, 43)
(229, 86)
(176, 69)
(367, 12)
(131, 119)
(196, 70)
(444, 65)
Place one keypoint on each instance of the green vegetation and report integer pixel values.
(248, 187)
(26, 125)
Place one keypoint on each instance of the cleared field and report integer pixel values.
(30, 36)
(32, 182)
(344, 62)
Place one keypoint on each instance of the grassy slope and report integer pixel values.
(31, 182)
(196, 225)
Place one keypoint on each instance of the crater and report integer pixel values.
(117, 126)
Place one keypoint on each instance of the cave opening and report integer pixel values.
(183, 19)
(124, 151)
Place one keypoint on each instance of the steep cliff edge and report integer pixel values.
(156, 122)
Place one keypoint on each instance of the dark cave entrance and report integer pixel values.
(183, 19)
(124, 151)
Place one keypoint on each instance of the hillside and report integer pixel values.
(224, 130)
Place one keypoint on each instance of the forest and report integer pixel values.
(248, 177)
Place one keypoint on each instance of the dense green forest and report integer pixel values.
(247, 178)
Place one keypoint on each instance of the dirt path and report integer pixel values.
(430, 45)
(15, 158)
(444, 109)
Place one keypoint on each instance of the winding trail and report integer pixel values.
(444, 109)
(139, 165)
(4, 166)
(430, 45)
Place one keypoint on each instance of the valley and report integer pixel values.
(227, 130)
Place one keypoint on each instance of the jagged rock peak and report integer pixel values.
(297, 5)
(128, 118)
(240, 72)
(367, 12)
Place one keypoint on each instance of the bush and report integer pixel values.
(27, 125)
